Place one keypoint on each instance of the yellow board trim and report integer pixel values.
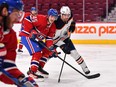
(94, 41)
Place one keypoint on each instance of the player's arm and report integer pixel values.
(27, 25)
(49, 41)
(73, 24)
(49, 38)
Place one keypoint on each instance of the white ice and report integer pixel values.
(99, 58)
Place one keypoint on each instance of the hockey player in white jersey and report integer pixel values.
(65, 24)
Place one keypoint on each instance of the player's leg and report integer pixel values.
(28, 81)
(76, 56)
(33, 70)
(45, 58)
(34, 50)
(20, 47)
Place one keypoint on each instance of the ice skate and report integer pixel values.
(86, 70)
(83, 65)
(43, 72)
(35, 75)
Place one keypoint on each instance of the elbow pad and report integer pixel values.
(72, 27)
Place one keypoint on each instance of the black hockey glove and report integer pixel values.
(72, 27)
(65, 49)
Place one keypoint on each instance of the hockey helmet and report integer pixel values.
(13, 4)
(53, 12)
(33, 9)
(65, 10)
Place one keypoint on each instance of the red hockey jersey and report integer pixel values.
(40, 23)
(10, 40)
(23, 15)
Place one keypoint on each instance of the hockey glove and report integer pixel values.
(72, 27)
(53, 52)
(29, 82)
(2, 54)
(36, 36)
(33, 35)
(65, 49)
(49, 44)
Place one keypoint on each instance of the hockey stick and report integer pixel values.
(15, 80)
(63, 62)
(87, 76)
(61, 68)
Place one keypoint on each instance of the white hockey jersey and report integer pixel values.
(62, 31)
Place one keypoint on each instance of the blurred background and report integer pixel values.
(83, 10)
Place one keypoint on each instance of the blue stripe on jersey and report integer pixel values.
(32, 46)
(28, 17)
(43, 59)
(49, 38)
(34, 63)
(8, 65)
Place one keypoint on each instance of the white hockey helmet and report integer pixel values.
(65, 10)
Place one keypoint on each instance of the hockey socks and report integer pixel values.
(83, 65)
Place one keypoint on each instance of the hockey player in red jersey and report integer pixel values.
(65, 24)
(23, 15)
(21, 18)
(8, 43)
(36, 29)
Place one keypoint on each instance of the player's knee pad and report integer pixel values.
(75, 54)
(37, 55)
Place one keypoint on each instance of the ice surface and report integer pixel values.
(99, 58)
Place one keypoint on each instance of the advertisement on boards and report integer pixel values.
(96, 33)
(89, 33)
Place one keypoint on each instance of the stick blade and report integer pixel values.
(93, 76)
